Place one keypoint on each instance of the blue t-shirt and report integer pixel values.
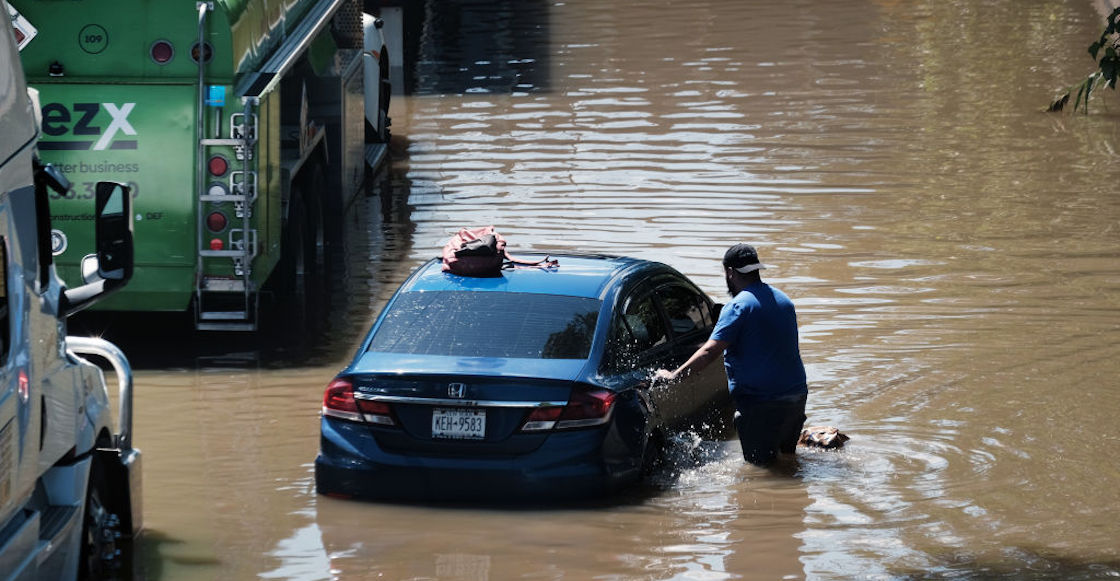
(762, 358)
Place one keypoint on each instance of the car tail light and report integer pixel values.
(339, 402)
(543, 418)
(376, 412)
(586, 407)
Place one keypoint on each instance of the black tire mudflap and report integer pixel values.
(124, 485)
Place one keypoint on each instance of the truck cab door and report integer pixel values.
(20, 403)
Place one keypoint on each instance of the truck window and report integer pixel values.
(5, 319)
(43, 224)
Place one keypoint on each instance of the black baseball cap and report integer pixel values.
(743, 258)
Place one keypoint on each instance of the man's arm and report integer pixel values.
(707, 353)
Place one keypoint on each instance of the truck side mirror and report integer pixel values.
(111, 267)
(113, 231)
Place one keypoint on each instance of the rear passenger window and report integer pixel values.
(683, 307)
(644, 323)
(635, 329)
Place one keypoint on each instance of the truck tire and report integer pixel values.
(299, 306)
(101, 530)
(321, 213)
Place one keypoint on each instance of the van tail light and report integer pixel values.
(586, 407)
(339, 402)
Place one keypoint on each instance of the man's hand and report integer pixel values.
(664, 375)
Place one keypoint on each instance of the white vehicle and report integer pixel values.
(69, 477)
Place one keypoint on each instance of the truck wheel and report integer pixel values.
(101, 531)
(320, 214)
(293, 264)
(299, 306)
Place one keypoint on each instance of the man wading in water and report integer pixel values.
(757, 335)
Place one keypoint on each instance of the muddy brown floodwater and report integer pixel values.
(953, 250)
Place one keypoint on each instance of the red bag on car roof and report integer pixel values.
(482, 252)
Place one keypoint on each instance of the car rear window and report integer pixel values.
(488, 324)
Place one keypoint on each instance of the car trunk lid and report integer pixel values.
(469, 415)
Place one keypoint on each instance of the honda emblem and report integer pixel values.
(456, 390)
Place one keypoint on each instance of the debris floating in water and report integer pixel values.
(826, 437)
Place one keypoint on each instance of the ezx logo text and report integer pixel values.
(98, 122)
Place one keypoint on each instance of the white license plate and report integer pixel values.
(459, 424)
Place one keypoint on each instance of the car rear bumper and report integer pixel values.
(567, 465)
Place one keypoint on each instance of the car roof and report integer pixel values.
(579, 275)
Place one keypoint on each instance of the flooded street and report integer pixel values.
(953, 251)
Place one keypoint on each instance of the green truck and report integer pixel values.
(244, 129)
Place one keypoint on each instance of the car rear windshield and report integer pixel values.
(488, 324)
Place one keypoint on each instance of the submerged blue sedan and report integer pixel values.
(532, 384)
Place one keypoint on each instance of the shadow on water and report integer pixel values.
(375, 234)
(476, 46)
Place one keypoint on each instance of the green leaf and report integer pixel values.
(1080, 92)
(1109, 68)
(1093, 48)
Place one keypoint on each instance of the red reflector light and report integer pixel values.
(546, 414)
(217, 165)
(216, 244)
(216, 221)
(373, 407)
(162, 52)
(24, 386)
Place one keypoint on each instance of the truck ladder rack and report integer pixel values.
(228, 301)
